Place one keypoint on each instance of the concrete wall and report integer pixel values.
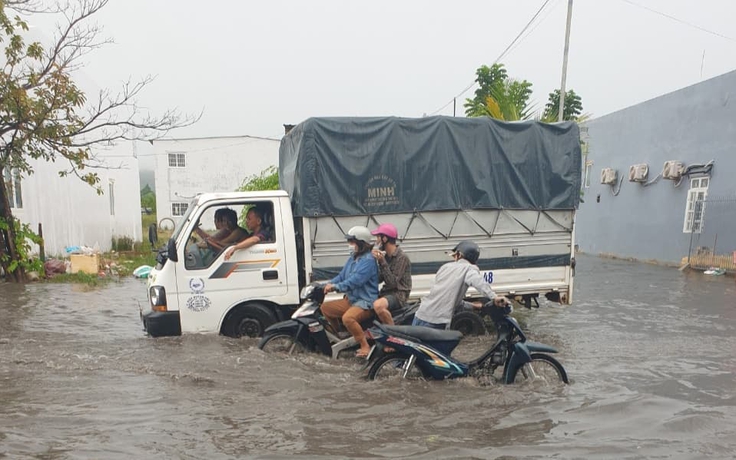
(217, 164)
(694, 125)
(72, 213)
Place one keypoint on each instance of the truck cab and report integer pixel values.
(194, 289)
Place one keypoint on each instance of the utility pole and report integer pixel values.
(564, 61)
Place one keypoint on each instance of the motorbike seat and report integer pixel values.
(426, 334)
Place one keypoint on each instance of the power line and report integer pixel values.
(539, 11)
(550, 10)
(668, 16)
(536, 15)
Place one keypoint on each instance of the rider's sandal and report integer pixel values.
(359, 354)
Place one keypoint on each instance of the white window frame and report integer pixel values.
(588, 173)
(695, 206)
(111, 191)
(179, 209)
(177, 160)
(13, 188)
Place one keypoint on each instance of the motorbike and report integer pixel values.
(309, 331)
(420, 352)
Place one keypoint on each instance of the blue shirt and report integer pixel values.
(359, 280)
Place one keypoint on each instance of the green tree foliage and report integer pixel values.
(573, 110)
(499, 96)
(24, 239)
(504, 98)
(148, 198)
(45, 116)
(268, 179)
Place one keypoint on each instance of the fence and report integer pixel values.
(713, 234)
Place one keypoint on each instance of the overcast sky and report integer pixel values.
(253, 66)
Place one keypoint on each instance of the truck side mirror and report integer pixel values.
(171, 250)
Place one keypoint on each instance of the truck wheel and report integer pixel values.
(248, 321)
(469, 323)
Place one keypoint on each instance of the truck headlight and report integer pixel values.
(158, 298)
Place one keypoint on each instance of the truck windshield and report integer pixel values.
(183, 222)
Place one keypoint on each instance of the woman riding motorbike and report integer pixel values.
(358, 279)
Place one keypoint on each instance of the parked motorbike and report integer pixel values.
(420, 352)
(308, 330)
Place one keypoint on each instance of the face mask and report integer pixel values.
(351, 248)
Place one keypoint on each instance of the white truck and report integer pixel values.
(511, 187)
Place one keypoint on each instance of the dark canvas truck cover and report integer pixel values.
(376, 165)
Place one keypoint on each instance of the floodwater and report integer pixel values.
(650, 352)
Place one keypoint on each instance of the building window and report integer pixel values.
(177, 160)
(588, 170)
(179, 209)
(695, 210)
(13, 188)
(111, 192)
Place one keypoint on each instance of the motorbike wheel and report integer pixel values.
(469, 323)
(281, 343)
(546, 368)
(391, 367)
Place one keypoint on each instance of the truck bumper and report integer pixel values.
(161, 323)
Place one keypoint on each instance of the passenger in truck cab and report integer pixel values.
(358, 279)
(258, 232)
(394, 271)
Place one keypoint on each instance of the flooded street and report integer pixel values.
(650, 353)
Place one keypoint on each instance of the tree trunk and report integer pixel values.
(7, 237)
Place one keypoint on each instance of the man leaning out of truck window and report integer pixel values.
(358, 279)
(254, 222)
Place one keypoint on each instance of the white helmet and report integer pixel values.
(360, 234)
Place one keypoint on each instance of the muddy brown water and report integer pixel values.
(650, 352)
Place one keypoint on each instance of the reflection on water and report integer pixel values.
(649, 350)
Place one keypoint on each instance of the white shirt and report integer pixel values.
(450, 285)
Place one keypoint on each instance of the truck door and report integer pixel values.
(209, 285)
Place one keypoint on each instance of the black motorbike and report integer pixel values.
(420, 352)
(309, 331)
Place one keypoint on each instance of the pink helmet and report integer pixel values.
(386, 229)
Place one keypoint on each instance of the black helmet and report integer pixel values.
(468, 250)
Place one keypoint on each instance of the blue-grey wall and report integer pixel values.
(693, 125)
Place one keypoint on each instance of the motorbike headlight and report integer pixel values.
(306, 292)
(306, 309)
(158, 298)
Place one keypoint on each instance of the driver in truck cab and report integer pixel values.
(358, 279)
(450, 285)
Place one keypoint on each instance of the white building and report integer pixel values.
(187, 167)
(71, 212)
